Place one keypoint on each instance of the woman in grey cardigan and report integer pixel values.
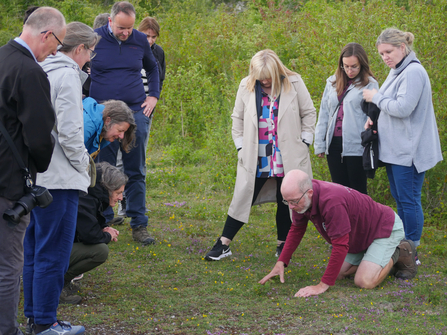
(408, 135)
(341, 119)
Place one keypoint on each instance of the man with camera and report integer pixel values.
(26, 145)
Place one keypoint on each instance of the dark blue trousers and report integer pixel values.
(47, 246)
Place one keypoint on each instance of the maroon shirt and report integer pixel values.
(345, 218)
(338, 129)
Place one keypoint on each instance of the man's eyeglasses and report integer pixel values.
(58, 40)
(92, 53)
(353, 68)
(294, 202)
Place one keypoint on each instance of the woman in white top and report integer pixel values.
(341, 119)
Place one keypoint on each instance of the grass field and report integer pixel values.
(169, 288)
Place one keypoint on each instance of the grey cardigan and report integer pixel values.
(407, 128)
(353, 120)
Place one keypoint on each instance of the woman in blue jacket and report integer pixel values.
(107, 122)
(341, 119)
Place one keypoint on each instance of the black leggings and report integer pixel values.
(347, 171)
(283, 222)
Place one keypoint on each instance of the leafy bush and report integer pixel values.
(209, 45)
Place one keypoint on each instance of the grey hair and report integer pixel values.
(396, 37)
(122, 6)
(119, 112)
(101, 20)
(79, 33)
(45, 18)
(112, 178)
(305, 184)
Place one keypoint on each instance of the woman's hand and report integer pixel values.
(321, 155)
(113, 233)
(368, 124)
(369, 94)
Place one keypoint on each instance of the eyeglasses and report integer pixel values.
(294, 202)
(353, 68)
(92, 53)
(58, 40)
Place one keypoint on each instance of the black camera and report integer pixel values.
(37, 196)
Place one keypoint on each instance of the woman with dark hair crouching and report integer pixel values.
(93, 234)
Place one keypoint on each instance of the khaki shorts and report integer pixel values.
(381, 250)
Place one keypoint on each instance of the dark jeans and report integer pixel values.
(134, 164)
(85, 257)
(283, 221)
(48, 242)
(11, 265)
(406, 187)
(347, 171)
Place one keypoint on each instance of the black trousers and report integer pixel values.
(283, 222)
(347, 171)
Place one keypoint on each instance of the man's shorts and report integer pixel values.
(381, 250)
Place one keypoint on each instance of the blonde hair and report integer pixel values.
(396, 37)
(267, 65)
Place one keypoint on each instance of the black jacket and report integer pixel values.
(370, 140)
(28, 116)
(91, 220)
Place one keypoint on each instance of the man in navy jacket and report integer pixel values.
(122, 52)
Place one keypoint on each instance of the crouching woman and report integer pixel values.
(92, 233)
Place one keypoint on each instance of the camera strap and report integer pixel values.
(25, 171)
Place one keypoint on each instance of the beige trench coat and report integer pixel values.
(296, 121)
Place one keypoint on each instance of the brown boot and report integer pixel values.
(141, 235)
(406, 264)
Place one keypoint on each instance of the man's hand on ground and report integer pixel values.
(312, 290)
(278, 269)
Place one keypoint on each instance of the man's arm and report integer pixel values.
(37, 116)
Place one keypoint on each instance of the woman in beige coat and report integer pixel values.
(273, 126)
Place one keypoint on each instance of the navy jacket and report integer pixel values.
(116, 69)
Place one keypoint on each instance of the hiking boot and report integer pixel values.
(29, 329)
(218, 252)
(67, 297)
(72, 287)
(406, 264)
(279, 249)
(141, 235)
(63, 328)
(116, 221)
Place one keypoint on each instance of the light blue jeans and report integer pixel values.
(406, 187)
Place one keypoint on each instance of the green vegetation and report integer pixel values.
(168, 288)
